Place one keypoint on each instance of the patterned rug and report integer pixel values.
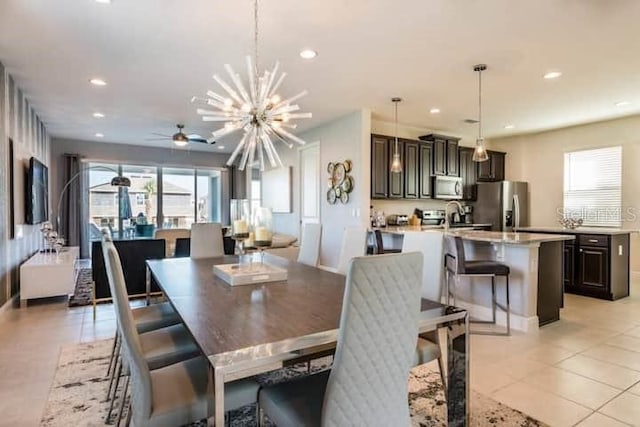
(77, 396)
(82, 293)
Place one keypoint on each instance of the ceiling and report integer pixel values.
(156, 54)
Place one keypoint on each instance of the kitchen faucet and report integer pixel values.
(446, 213)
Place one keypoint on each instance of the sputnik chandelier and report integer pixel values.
(260, 112)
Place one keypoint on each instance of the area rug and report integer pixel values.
(78, 394)
(84, 288)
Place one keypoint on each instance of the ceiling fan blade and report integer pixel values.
(158, 139)
(160, 134)
(211, 141)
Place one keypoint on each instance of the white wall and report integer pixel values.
(539, 159)
(20, 123)
(347, 137)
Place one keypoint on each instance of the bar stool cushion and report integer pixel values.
(486, 267)
(154, 317)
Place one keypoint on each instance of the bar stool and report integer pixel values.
(456, 264)
(380, 246)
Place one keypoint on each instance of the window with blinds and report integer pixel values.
(593, 186)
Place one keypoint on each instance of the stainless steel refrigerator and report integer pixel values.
(503, 204)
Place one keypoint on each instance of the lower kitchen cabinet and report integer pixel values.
(597, 266)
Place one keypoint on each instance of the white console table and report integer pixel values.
(47, 275)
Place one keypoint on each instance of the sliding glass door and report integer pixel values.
(159, 197)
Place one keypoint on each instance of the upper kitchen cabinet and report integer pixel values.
(468, 173)
(493, 169)
(379, 167)
(446, 157)
(411, 169)
(414, 182)
(396, 179)
(426, 164)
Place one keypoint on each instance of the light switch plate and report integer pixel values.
(620, 250)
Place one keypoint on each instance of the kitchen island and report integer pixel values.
(536, 279)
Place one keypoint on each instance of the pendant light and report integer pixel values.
(396, 164)
(480, 152)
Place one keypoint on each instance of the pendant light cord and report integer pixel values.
(255, 40)
(480, 104)
(396, 126)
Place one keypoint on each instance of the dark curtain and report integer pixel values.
(71, 217)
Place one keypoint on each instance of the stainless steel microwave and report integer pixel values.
(447, 187)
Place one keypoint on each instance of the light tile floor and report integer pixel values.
(581, 371)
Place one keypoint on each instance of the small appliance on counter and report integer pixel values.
(398, 220)
(433, 217)
(468, 214)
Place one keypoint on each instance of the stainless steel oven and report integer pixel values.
(447, 187)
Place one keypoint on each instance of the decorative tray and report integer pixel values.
(249, 274)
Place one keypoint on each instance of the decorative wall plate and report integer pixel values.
(340, 183)
(344, 197)
(330, 168)
(331, 196)
(339, 173)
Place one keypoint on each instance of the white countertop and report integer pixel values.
(509, 238)
(579, 230)
(400, 229)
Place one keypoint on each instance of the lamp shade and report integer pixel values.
(480, 152)
(120, 181)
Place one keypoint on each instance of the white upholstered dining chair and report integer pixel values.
(367, 385)
(354, 244)
(431, 244)
(310, 244)
(206, 240)
(175, 390)
(169, 235)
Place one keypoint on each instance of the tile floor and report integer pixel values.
(581, 371)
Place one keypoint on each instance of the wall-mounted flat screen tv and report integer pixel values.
(37, 199)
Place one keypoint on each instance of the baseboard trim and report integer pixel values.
(518, 322)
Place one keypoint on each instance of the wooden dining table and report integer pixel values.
(250, 329)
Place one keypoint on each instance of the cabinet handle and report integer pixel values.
(593, 240)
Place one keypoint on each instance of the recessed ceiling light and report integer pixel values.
(622, 104)
(220, 147)
(103, 1)
(509, 126)
(308, 54)
(97, 82)
(552, 75)
(99, 135)
(98, 115)
(434, 110)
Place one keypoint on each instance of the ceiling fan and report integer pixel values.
(180, 138)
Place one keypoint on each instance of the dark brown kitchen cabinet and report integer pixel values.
(439, 157)
(492, 170)
(426, 162)
(396, 179)
(445, 154)
(597, 265)
(411, 169)
(453, 158)
(379, 167)
(468, 173)
(594, 266)
(569, 265)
